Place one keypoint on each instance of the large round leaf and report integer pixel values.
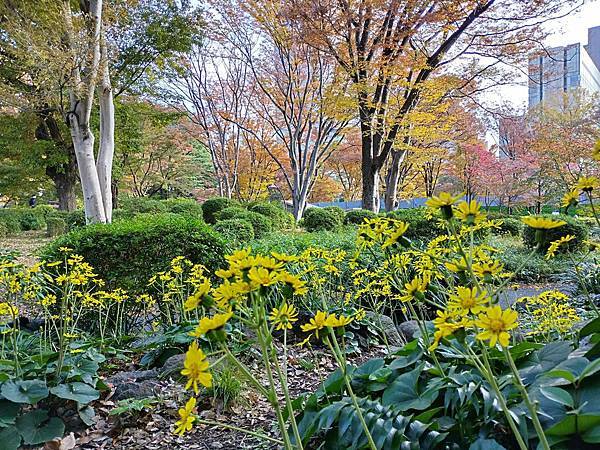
(36, 427)
(9, 438)
(8, 412)
(31, 391)
(79, 392)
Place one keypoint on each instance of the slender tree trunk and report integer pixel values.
(65, 191)
(392, 180)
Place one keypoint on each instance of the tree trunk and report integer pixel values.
(392, 179)
(107, 135)
(65, 191)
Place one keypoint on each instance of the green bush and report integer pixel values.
(281, 219)
(184, 206)
(235, 230)
(232, 212)
(358, 216)
(337, 211)
(420, 227)
(320, 219)
(573, 227)
(294, 243)
(260, 224)
(45, 210)
(55, 226)
(509, 226)
(3, 230)
(140, 205)
(127, 253)
(212, 206)
(31, 219)
(11, 221)
(76, 219)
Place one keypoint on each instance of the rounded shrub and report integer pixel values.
(141, 205)
(3, 230)
(420, 227)
(337, 211)
(45, 210)
(76, 219)
(232, 212)
(184, 206)
(358, 216)
(128, 252)
(55, 226)
(31, 219)
(235, 230)
(280, 218)
(11, 221)
(320, 219)
(260, 224)
(212, 206)
(573, 227)
(510, 226)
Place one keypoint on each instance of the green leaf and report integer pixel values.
(592, 326)
(592, 436)
(8, 412)
(31, 391)
(79, 392)
(9, 438)
(486, 444)
(87, 414)
(37, 428)
(591, 369)
(565, 427)
(366, 369)
(558, 395)
(404, 392)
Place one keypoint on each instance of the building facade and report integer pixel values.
(563, 68)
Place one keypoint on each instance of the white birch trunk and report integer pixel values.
(106, 150)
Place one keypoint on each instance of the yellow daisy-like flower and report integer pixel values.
(596, 151)
(194, 300)
(195, 368)
(333, 321)
(468, 300)
(541, 223)
(415, 289)
(317, 323)
(571, 198)
(469, 212)
(398, 232)
(487, 269)
(587, 184)
(284, 317)
(6, 309)
(496, 325)
(553, 248)
(259, 276)
(444, 199)
(298, 286)
(186, 418)
(211, 323)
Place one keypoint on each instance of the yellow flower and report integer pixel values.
(334, 322)
(541, 223)
(260, 276)
(487, 269)
(570, 198)
(415, 289)
(396, 234)
(444, 199)
(284, 317)
(552, 249)
(468, 300)
(318, 322)
(496, 324)
(296, 283)
(225, 292)
(194, 300)
(6, 309)
(283, 257)
(469, 212)
(456, 266)
(360, 314)
(596, 151)
(211, 323)
(587, 184)
(195, 368)
(186, 421)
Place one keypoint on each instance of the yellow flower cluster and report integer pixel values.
(550, 312)
(385, 231)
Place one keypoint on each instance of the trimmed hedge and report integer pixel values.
(510, 225)
(212, 206)
(232, 212)
(11, 221)
(238, 231)
(141, 205)
(420, 227)
(55, 226)
(320, 219)
(573, 227)
(280, 218)
(338, 212)
(358, 216)
(127, 253)
(3, 230)
(184, 206)
(22, 219)
(261, 225)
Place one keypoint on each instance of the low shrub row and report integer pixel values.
(15, 220)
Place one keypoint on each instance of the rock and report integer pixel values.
(172, 366)
(409, 329)
(385, 325)
(135, 375)
(135, 384)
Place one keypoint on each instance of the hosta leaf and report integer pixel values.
(37, 428)
(79, 392)
(9, 438)
(8, 412)
(31, 391)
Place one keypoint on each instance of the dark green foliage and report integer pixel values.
(337, 211)
(358, 216)
(3, 230)
(184, 206)
(139, 205)
(420, 227)
(510, 226)
(320, 219)
(281, 219)
(573, 227)
(55, 226)
(45, 210)
(260, 224)
(76, 219)
(212, 206)
(232, 212)
(11, 221)
(31, 219)
(296, 243)
(238, 231)
(128, 252)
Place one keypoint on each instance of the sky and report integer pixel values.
(568, 30)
